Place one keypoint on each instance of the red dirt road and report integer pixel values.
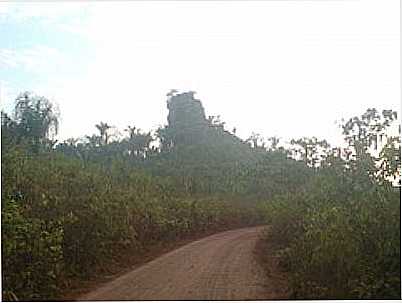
(219, 267)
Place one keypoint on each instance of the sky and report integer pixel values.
(278, 68)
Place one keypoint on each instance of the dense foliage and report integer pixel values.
(60, 220)
(69, 206)
(339, 237)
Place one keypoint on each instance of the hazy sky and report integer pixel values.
(284, 68)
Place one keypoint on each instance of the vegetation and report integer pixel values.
(68, 206)
(339, 237)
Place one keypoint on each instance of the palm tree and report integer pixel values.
(138, 142)
(131, 138)
(103, 129)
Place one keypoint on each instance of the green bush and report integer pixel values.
(339, 249)
(61, 219)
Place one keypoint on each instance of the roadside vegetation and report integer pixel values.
(70, 206)
(339, 237)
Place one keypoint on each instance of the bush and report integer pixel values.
(339, 249)
(61, 220)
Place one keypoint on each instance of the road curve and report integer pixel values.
(218, 267)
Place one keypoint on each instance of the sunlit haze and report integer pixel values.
(283, 68)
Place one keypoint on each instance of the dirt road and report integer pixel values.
(219, 267)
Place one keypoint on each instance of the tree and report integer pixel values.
(256, 141)
(93, 141)
(37, 120)
(368, 130)
(365, 135)
(312, 150)
(104, 132)
(215, 121)
(390, 160)
(165, 137)
(274, 141)
(138, 142)
(131, 139)
(9, 130)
